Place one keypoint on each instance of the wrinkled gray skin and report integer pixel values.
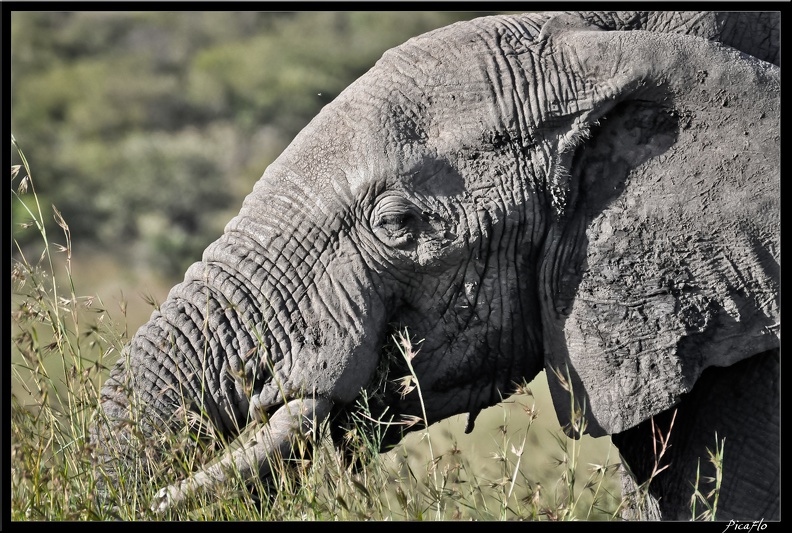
(523, 192)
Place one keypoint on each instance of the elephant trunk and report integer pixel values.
(214, 358)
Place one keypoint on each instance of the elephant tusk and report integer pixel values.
(253, 458)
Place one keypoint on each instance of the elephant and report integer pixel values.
(591, 194)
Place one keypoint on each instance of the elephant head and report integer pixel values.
(520, 192)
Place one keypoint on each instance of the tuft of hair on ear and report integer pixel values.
(560, 175)
(577, 134)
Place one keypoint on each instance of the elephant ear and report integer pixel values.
(663, 257)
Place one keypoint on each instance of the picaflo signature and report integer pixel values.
(734, 525)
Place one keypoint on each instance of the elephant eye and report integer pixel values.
(393, 219)
(393, 222)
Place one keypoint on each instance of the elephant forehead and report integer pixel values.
(452, 98)
(371, 137)
(425, 112)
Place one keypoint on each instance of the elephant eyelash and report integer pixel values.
(392, 228)
(396, 231)
(392, 223)
(574, 137)
(393, 214)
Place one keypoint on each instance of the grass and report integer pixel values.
(517, 465)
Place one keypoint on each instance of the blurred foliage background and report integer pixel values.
(146, 129)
